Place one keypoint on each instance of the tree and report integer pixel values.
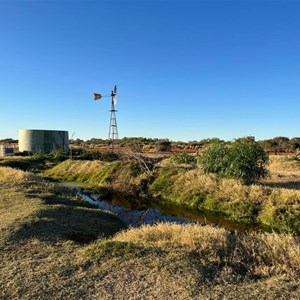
(294, 143)
(243, 159)
(164, 145)
(281, 143)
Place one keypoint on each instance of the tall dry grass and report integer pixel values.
(283, 163)
(75, 170)
(8, 174)
(254, 255)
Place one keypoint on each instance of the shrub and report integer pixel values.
(57, 155)
(17, 164)
(23, 153)
(184, 158)
(164, 145)
(243, 159)
(109, 156)
(82, 154)
(38, 156)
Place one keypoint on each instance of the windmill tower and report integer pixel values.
(113, 128)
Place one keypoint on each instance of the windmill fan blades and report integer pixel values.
(115, 100)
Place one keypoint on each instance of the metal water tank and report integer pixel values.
(43, 141)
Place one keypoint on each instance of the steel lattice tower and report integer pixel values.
(113, 128)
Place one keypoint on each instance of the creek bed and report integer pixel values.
(135, 214)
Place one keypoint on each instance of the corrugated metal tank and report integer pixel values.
(43, 141)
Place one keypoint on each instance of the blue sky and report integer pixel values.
(185, 70)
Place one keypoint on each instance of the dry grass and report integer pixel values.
(283, 163)
(40, 232)
(12, 175)
(284, 172)
(75, 170)
(170, 261)
(48, 251)
(172, 236)
(260, 254)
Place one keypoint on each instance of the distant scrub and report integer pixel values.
(82, 154)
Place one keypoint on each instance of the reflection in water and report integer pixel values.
(157, 212)
(132, 217)
(135, 214)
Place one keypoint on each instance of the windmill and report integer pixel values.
(113, 128)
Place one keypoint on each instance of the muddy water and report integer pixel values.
(137, 214)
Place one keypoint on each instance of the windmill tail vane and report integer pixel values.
(97, 96)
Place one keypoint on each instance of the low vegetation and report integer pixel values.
(184, 158)
(22, 163)
(271, 202)
(53, 245)
(243, 159)
(171, 261)
(128, 177)
(41, 229)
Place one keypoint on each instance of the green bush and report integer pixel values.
(109, 156)
(82, 154)
(184, 158)
(243, 159)
(38, 156)
(57, 155)
(163, 185)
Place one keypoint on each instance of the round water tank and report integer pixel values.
(43, 141)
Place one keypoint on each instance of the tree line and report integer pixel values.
(278, 144)
(275, 145)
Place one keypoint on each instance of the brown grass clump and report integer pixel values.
(284, 172)
(284, 163)
(171, 261)
(170, 236)
(197, 179)
(254, 255)
(74, 170)
(231, 190)
(8, 174)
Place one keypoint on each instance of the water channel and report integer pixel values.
(135, 214)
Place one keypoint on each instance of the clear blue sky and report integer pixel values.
(185, 70)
